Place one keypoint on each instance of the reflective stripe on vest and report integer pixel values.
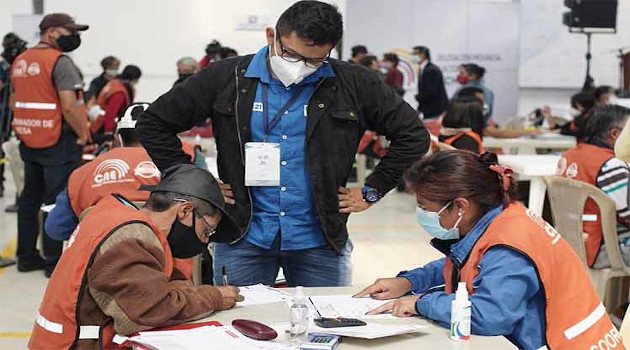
(89, 332)
(49, 325)
(36, 105)
(586, 323)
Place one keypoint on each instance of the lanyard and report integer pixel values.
(269, 125)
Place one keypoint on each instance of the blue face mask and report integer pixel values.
(430, 222)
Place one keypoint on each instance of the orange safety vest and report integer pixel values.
(583, 162)
(37, 115)
(575, 317)
(113, 87)
(190, 149)
(56, 326)
(471, 134)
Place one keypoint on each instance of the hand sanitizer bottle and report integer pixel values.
(460, 314)
(299, 317)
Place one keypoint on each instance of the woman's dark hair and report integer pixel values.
(603, 119)
(465, 113)
(131, 72)
(424, 51)
(358, 50)
(584, 99)
(314, 21)
(474, 69)
(391, 57)
(109, 61)
(447, 175)
(471, 92)
(213, 48)
(368, 60)
(227, 52)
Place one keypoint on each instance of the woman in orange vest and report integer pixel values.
(117, 95)
(525, 281)
(463, 125)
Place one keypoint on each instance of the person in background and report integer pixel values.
(212, 54)
(513, 263)
(12, 46)
(117, 274)
(604, 95)
(110, 65)
(357, 53)
(394, 78)
(581, 105)
(472, 75)
(594, 162)
(462, 125)
(115, 97)
(431, 97)
(47, 91)
(371, 62)
(227, 52)
(186, 67)
(622, 146)
(298, 221)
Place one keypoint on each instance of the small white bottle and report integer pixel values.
(299, 317)
(460, 314)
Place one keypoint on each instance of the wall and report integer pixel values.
(456, 31)
(154, 34)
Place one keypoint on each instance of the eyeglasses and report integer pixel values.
(291, 56)
(210, 230)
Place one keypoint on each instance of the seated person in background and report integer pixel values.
(594, 162)
(520, 273)
(88, 184)
(604, 95)
(394, 78)
(581, 105)
(622, 146)
(371, 62)
(462, 125)
(490, 127)
(117, 274)
(115, 97)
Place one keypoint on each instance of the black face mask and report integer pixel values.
(69, 43)
(183, 240)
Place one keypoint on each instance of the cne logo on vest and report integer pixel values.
(19, 68)
(549, 230)
(111, 171)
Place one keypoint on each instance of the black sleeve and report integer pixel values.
(176, 111)
(389, 115)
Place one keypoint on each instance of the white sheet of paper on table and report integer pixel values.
(346, 306)
(260, 294)
(221, 338)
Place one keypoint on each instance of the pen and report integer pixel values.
(225, 280)
(314, 307)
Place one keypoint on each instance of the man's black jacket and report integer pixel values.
(431, 97)
(339, 111)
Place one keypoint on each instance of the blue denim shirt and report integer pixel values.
(289, 208)
(507, 301)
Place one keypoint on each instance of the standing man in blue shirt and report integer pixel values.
(287, 123)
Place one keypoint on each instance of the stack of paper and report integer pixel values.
(345, 306)
(209, 337)
(373, 330)
(260, 294)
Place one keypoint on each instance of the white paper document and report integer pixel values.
(373, 330)
(260, 294)
(345, 306)
(203, 338)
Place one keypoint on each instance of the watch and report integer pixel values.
(370, 194)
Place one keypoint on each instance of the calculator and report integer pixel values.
(325, 322)
(320, 341)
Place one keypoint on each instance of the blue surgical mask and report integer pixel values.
(430, 222)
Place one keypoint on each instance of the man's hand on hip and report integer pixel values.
(351, 200)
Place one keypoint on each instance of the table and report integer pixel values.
(533, 168)
(527, 145)
(438, 338)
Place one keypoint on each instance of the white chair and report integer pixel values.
(624, 330)
(567, 198)
(11, 150)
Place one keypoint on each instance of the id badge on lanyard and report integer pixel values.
(262, 159)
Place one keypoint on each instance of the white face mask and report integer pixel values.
(111, 72)
(574, 112)
(414, 59)
(288, 72)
